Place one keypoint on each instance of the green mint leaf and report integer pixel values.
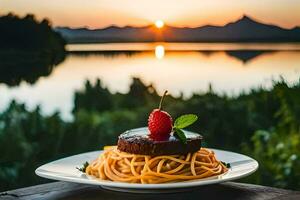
(83, 167)
(185, 120)
(180, 134)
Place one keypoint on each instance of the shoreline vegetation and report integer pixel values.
(29, 49)
(29, 34)
(263, 124)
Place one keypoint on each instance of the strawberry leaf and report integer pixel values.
(180, 134)
(185, 120)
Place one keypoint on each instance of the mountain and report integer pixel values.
(244, 29)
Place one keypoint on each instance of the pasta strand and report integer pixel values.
(119, 166)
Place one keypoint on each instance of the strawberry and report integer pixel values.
(160, 122)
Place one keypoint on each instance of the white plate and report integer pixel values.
(65, 170)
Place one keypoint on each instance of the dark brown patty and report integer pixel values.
(137, 141)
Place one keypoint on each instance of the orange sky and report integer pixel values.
(102, 13)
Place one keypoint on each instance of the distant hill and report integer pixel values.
(243, 30)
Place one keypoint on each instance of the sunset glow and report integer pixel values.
(103, 13)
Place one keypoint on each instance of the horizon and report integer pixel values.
(167, 25)
(101, 14)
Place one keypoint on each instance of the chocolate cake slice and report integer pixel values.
(138, 141)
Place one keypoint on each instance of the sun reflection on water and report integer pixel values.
(159, 51)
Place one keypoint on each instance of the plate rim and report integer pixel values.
(201, 182)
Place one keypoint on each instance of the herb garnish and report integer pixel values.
(182, 122)
(83, 167)
(226, 164)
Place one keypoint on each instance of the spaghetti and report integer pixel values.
(119, 166)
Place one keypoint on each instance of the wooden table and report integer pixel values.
(230, 190)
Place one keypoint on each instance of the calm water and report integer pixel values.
(186, 68)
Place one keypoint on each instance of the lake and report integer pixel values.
(185, 68)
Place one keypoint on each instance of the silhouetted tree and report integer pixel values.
(28, 49)
(28, 34)
(94, 98)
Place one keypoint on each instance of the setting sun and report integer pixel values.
(159, 24)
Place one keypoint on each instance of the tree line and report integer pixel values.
(29, 49)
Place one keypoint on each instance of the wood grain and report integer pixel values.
(68, 191)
